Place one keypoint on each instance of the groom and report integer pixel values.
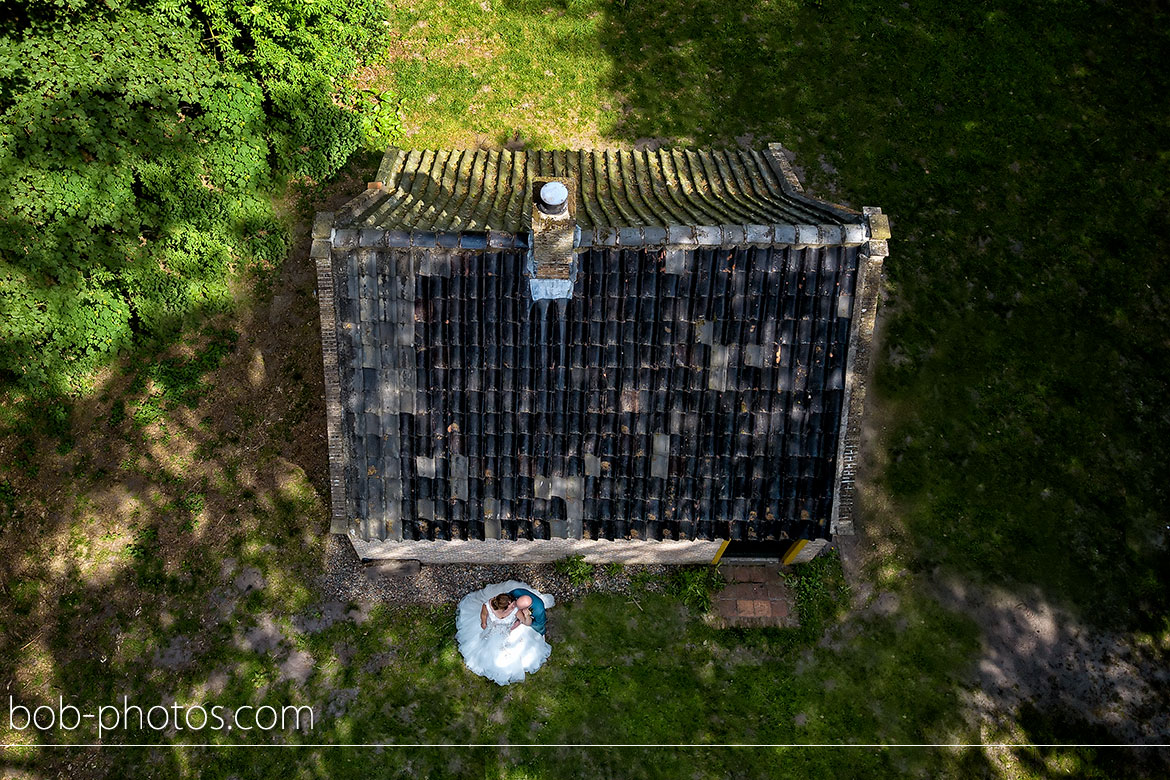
(530, 610)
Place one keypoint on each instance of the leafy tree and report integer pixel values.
(139, 143)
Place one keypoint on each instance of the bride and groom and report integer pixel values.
(500, 630)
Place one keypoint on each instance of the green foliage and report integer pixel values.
(24, 595)
(576, 569)
(381, 121)
(179, 381)
(176, 382)
(821, 591)
(613, 568)
(694, 585)
(193, 502)
(303, 53)
(117, 413)
(143, 545)
(138, 145)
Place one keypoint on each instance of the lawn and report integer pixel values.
(1022, 152)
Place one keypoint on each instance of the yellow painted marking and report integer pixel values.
(796, 547)
(719, 554)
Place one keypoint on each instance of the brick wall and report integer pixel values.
(321, 254)
(857, 369)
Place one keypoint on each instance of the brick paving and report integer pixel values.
(755, 596)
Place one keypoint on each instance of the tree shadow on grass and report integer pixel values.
(1015, 150)
(1021, 323)
(148, 558)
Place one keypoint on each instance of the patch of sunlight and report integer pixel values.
(286, 589)
(997, 740)
(953, 737)
(183, 763)
(519, 773)
(550, 60)
(1062, 764)
(343, 729)
(103, 566)
(35, 672)
(450, 656)
(253, 547)
(177, 451)
(889, 572)
(20, 745)
(125, 502)
(257, 371)
(292, 482)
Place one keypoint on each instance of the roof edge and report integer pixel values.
(673, 237)
(387, 166)
(320, 253)
(793, 189)
(858, 371)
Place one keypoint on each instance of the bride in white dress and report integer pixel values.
(493, 642)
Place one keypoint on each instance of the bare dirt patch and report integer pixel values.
(1040, 654)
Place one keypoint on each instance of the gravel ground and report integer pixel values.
(346, 579)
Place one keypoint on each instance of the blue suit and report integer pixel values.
(538, 617)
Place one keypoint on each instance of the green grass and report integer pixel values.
(695, 585)
(821, 592)
(619, 674)
(1022, 152)
(477, 71)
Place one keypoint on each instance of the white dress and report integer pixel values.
(498, 653)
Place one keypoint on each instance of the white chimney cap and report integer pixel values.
(554, 193)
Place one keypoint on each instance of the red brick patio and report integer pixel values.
(755, 596)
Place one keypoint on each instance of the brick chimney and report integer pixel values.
(553, 227)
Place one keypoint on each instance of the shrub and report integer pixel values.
(695, 585)
(576, 569)
(821, 591)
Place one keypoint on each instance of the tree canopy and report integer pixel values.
(140, 143)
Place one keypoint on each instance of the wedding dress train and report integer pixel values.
(499, 653)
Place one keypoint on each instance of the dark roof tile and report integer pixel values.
(650, 383)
